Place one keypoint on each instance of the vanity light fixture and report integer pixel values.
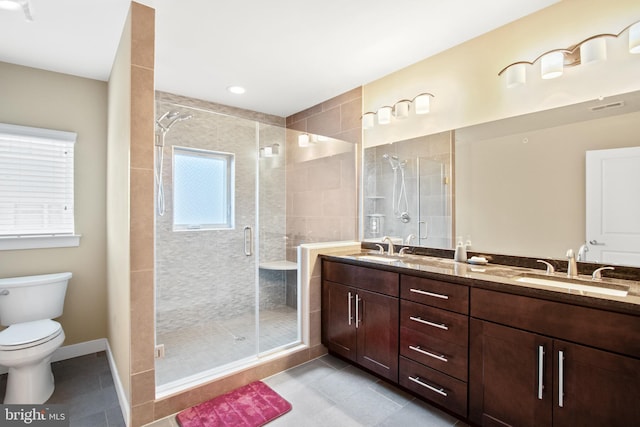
(421, 104)
(270, 150)
(384, 115)
(516, 74)
(401, 109)
(593, 50)
(634, 38)
(303, 140)
(552, 62)
(552, 65)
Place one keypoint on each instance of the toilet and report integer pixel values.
(27, 305)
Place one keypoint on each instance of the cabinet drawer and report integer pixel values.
(589, 326)
(441, 324)
(435, 293)
(442, 355)
(435, 386)
(384, 282)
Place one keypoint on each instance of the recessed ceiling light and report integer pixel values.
(238, 90)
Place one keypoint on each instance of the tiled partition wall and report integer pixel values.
(322, 190)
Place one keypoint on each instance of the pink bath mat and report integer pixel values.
(252, 405)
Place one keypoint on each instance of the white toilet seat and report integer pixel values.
(29, 334)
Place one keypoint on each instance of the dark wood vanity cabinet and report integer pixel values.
(494, 358)
(434, 335)
(520, 377)
(360, 316)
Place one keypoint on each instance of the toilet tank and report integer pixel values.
(29, 298)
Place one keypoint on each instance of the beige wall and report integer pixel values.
(32, 97)
(130, 212)
(468, 90)
(118, 206)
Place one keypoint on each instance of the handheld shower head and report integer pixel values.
(393, 160)
(172, 117)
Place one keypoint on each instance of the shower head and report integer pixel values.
(393, 160)
(171, 117)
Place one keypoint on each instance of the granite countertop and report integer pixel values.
(503, 278)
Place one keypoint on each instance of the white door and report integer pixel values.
(613, 206)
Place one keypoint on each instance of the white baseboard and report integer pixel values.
(80, 349)
(90, 347)
(122, 396)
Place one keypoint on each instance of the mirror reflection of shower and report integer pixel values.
(163, 124)
(399, 201)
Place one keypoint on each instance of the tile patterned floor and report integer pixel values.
(323, 392)
(330, 392)
(208, 345)
(85, 384)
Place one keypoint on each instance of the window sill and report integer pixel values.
(39, 242)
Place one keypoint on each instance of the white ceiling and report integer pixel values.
(288, 54)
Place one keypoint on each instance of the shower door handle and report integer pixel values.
(248, 240)
(426, 230)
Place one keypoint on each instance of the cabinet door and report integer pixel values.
(338, 319)
(377, 332)
(509, 376)
(594, 387)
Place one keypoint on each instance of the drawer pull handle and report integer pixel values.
(427, 353)
(429, 294)
(561, 378)
(540, 371)
(426, 322)
(349, 316)
(439, 390)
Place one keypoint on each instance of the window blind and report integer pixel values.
(36, 181)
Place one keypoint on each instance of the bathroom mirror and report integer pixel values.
(518, 184)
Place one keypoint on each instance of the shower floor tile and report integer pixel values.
(209, 345)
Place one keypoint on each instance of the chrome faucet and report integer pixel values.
(572, 268)
(582, 252)
(388, 239)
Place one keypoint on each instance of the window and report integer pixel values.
(202, 189)
(36, 186)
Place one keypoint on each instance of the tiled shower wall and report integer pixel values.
(322, 189)
(205, 275)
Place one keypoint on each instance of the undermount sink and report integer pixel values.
(376, 258)
(598, 288)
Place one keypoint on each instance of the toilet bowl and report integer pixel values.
(27, 305)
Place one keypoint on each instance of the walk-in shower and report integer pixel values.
(226, 294)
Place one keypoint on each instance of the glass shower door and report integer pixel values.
(225, 291)
(279, 323)
(434, 195)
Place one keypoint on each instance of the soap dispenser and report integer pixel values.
(460, 254)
